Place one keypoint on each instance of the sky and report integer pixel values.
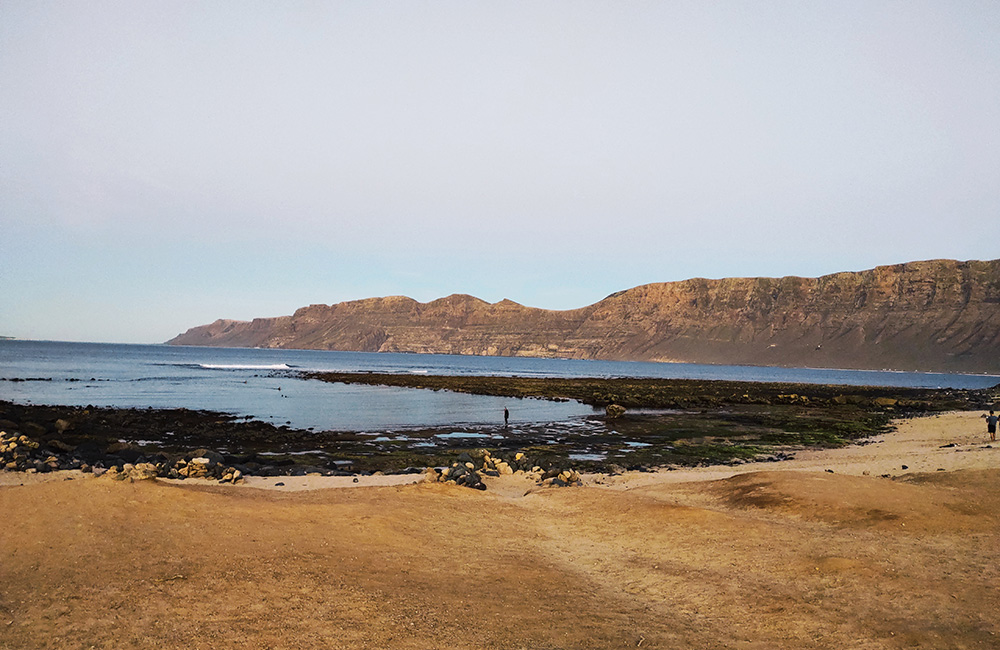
(165, 164)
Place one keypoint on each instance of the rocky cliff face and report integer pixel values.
(937, 315)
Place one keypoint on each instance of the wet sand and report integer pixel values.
(755, 556)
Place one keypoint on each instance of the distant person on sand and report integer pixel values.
(506, 416)
(991, 425)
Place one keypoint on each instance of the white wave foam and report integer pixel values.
(244, 366)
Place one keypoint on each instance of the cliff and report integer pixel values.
(939, 315)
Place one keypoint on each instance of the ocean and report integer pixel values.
(257, 383)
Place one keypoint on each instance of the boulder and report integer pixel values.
(33, 428)
(213, 457)
(143, 472)
(614, 411)
(59, 445)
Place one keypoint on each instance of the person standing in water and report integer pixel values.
(506, 416)
(991, 425)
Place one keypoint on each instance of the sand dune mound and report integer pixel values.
(919, 503)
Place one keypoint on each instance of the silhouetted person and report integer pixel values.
(506, 416)
(991, 425)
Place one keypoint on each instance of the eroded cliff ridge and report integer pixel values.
(939, 315)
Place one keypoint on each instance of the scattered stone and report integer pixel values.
(906, 467)
(460, 474)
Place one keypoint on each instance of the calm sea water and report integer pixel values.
(250, 382)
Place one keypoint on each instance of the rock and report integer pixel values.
(886, 401)
(128, 452)
(197, 468)
(213, 457)
(431, 475)
(33, 429)
(62, 425)
(614, 411)
(143, 472)
(114, 474)
(59, 445)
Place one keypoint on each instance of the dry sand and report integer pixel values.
(776, 555)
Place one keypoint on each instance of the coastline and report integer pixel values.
(647, 424)
(942, 442)
(642, 559)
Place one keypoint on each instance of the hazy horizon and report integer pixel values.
(163, 165)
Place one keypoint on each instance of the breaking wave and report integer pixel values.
(245, 366)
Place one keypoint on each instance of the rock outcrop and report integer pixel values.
(939, 315)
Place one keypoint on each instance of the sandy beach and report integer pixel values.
(888, 544)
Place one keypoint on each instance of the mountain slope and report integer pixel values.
(934, 315)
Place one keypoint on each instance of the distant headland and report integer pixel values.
(937, 315)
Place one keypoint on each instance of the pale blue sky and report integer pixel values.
(164, 164)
